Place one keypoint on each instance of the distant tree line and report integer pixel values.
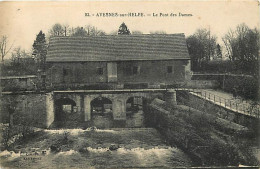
(241, 47)
(88, 30)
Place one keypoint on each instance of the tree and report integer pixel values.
(20, 56)
(16, 56)
(94, 31)
(219, 51)
(66, 29)
(242, 46)
(57, 30)
(40, 50)
(87, 31)
(202, 47)
(22, 63)
(196, 52)
(4, 49)
(123, 30)
(79, 32)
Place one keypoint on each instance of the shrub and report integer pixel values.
(195, 132)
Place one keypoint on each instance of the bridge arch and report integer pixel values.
(135, 107)
(101, 112)
(101, 105)
(63, 107)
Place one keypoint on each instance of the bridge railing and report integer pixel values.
(236, 105)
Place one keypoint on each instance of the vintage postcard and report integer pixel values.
(129, 84)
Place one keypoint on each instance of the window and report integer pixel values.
(65, 72)
(100, 71)
(136, 70)
(127, 69)
(169, 69)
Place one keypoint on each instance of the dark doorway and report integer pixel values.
(135, 111)
(63, 108)
(101, 112)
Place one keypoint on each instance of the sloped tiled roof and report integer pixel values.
(117, 48)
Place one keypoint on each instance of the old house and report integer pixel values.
(77, 64)
(132, 61)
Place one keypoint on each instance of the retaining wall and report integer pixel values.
(29, 109)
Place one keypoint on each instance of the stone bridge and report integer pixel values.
(82, 101)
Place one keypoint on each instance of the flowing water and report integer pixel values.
(89, 148)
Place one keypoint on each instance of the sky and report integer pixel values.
(22, 21)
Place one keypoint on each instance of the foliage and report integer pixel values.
(242, 46)
(218, 52)
(87, 31)
(195, 132)
(40, 50)
(245, 86)
(123, 30)
(202, 47)
(4, 49)
(218, 66)
(94, 31)
(79, 32)
(57, 30)
(11, 135)
(21, 63)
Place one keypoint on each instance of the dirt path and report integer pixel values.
(227, 100)
(77, 148)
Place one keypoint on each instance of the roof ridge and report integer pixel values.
(131, 35)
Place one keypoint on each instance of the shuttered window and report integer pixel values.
(100, 71)
(169, 69)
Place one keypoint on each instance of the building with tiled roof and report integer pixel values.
(124, 60)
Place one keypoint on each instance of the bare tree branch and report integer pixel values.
(3, 47)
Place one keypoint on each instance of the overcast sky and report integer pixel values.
(22, 21)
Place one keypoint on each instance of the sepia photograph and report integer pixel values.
(129, 84)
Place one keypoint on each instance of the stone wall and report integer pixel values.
(184, 97)
(153, 72)
(49, 109)
(28, 109)
(203, 84)
(19, 83)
